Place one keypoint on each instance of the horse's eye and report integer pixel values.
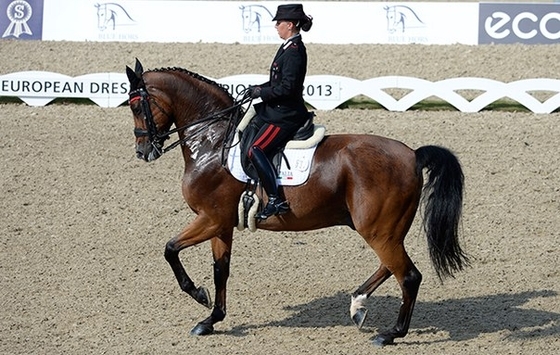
(136, 110)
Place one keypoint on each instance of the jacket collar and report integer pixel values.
(290, 40)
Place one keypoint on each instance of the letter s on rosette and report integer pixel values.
(18, 12)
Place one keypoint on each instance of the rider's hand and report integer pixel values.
(254, 91)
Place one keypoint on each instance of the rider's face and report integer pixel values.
(284, 29)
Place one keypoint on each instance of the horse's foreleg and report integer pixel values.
(197, 232)
(358, 312)
(200, 294)
(221, 249)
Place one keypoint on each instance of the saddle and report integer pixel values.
(301, 139)
(304, 140)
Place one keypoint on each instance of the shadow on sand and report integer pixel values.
(463, 319)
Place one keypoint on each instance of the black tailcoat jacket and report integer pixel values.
(282, 96)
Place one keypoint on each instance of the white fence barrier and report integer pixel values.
(323, 92)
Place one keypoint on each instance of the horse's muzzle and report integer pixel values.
(148, 151)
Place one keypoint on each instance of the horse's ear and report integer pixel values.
(135, 76)
(138, 69)
(132, 78)
(130, 73)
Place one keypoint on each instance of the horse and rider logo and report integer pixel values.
(255, 18)
(400, 18)
(110, 15)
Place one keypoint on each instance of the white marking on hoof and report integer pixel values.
(358, 311)
(357, 303)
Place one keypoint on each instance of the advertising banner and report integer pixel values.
(251, 22)
(529, 23)
(424, 23)
(21, 19)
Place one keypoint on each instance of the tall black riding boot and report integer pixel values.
(276, 205)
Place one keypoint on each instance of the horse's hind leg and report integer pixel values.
(388, 245)
(409, 278)
(357, 310)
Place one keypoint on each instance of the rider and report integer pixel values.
(282, 110)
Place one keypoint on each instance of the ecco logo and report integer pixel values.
(529, 23)
(525, 25)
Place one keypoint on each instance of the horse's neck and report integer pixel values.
(202, 143)
(202, 155)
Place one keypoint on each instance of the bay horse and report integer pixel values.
(372, 184)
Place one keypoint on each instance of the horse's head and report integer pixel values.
(394, 18)
(164, 97)
(104, 16)
(250, 18)
(400, 17)
(150, 128)
(253, 17)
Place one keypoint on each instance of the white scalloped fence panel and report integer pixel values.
(323, 92)
(447, 90)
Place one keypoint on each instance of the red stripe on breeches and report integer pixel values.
(268, 136)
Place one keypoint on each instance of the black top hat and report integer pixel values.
(290, 12)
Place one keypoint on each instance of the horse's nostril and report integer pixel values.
(141, 155)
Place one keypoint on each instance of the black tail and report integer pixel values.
(443, 201)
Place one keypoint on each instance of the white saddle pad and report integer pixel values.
(300, 165)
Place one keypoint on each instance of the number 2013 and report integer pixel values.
(318, 90)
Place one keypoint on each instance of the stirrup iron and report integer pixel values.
(274, 207)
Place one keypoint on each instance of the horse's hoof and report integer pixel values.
(202, 329)
(360, 317)
(203, 297)
(382, 339)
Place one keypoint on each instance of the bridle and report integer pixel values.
(232, 114)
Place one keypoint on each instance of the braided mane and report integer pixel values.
(196, 76)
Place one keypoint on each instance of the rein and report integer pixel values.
(157, 139)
